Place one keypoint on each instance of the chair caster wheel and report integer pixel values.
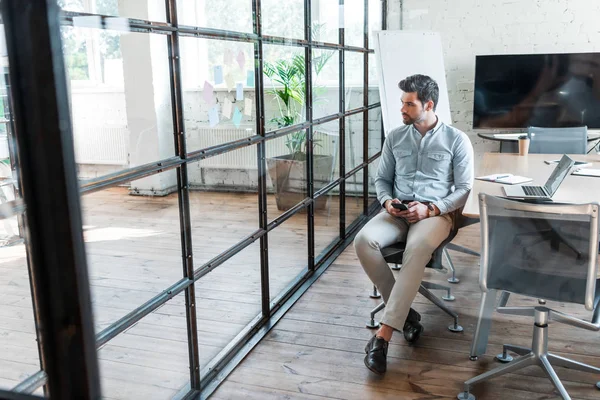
(465, 396)
(453, 280)
(473, 358)
(373, 325)
(455, 328)
(375, 296)
(448, 298)
(504, 359)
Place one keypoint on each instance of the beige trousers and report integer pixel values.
(421, 238)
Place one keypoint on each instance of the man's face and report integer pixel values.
(412, 109)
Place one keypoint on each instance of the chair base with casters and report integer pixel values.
(425, 292)
(538, 353)
(393, 254)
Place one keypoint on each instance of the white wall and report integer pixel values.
(470, 27)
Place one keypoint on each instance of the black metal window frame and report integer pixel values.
(202, 382)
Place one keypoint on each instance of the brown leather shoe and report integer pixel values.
(376, 358)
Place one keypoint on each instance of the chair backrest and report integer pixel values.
(558, 140)
(547, 251)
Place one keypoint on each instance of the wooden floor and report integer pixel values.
(134, 252)
(316, 351)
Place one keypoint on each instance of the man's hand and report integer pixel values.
(416, 212)
(391, 210)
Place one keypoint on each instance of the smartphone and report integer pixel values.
(400, 206)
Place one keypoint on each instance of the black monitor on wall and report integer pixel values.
(546, 90)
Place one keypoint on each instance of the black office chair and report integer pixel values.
(393, 254)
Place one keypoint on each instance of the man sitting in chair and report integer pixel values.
(428, 166)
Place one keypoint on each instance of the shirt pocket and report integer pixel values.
(438, 165)
(405, 162)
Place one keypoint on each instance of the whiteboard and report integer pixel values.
(403, 53)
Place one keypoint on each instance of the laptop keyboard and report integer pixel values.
(533, 191)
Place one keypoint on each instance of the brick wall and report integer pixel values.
(470, 27)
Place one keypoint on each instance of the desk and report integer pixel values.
(574, 189)
(509, 141)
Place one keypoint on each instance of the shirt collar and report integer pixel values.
(436, 127)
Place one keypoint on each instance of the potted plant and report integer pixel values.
(288, 171)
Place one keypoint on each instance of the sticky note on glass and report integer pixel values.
(213, 116)
(230, 82)
(218, 74)
(241, 59)
(250, 78)
(228, 57)
(237, 117)
(248, 107)
(207, 93)
(239, 92)
(227, 107)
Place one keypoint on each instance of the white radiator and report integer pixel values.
(101, 144)
(245, 158)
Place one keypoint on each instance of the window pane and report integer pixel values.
(145, 10)
(372, 174)
(288, 253)
(149, 360)
(354, 197)
(354, 141)
(327, 143)
(218, 91)
(285, 86)
(231, 15)
(375, 15)
(283, 18)
(229, 298)
(223, 201)
(325, 21)
(373, 80)
(120, 98)
(132, 243)
(19, 356)
(327, 222)
(354, 23)
(354, 76)
(375, 131)
(326, 83)
(287, 182)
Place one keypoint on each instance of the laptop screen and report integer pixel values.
(558, 175)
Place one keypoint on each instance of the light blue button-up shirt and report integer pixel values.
(436, 167)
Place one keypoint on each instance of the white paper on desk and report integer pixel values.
(514, 180)
(493, 177)
(507, 135)
(587, 172)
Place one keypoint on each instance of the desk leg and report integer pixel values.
(484, 323)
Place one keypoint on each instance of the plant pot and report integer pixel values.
(288, 174)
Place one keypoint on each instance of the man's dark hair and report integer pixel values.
(426, 88)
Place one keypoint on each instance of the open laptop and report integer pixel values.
(560, 172)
